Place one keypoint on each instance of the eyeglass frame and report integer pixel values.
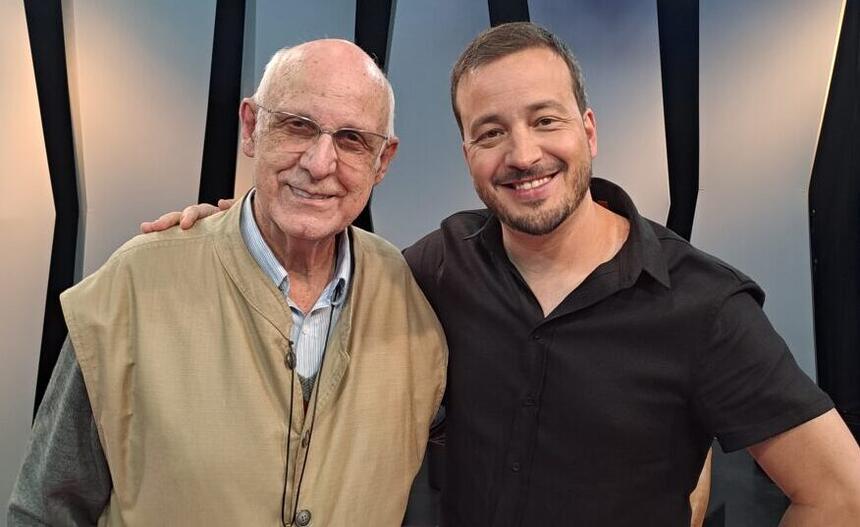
(321, 130)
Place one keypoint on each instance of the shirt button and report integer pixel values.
(536, 337)
(529, 401)
(291, 360)
(303, 517)
(515, 466)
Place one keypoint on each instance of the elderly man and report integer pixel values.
(271, 366)
(594, 353)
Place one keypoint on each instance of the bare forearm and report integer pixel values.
(701, 494)
(817, 465)
(836, 514)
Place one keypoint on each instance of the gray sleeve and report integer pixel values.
(64, 479)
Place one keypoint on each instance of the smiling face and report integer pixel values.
(528, 145)
(313, 194)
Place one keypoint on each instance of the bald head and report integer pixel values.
(339, 65)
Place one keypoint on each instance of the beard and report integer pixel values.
(539, 222)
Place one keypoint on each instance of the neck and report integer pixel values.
(578, 236)
(309, 263)
(554, 264)
(306, 259)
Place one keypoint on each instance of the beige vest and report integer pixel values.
(182, 341)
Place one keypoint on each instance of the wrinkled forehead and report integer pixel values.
(335, 90)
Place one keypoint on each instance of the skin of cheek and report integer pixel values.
(290, 216)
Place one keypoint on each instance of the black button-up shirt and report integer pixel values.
(600, 413)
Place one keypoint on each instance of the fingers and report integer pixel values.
(164, 222)
(225, 204)
(191, 214)
(185, 219)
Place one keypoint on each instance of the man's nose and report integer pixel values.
(320, 159)
(524, 150)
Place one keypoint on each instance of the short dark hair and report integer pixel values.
(506, 39)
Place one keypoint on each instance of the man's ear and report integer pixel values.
(385, 159)
(589, 123)
(248, 118)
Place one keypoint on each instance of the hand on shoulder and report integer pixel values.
(187, 218)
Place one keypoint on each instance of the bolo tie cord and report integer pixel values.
(317, 387)
(291, 364)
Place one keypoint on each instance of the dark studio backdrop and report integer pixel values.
(734, 124)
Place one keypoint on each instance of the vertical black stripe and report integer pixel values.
(218, 170)
(45, 29)
(504, 11)
(678, 24)
(834, 228)
(373, 22)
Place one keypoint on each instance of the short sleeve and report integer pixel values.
(747, 385)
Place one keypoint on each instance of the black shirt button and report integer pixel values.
(536, 337)
(529, 401)
(515, 466)
(290, 359)
(303, 517)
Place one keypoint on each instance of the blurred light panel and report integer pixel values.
(765, 67)
(139, 75)
(428, 180)
(26, 231)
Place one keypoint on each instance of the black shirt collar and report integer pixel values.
(642, 250)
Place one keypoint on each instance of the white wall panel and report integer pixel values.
(765, 68)
(618, 47)
(140, 74)
(429, 179)
(26, 231)
(273, 24)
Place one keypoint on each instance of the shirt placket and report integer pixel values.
(519, 456)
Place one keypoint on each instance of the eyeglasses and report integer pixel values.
(295, 133)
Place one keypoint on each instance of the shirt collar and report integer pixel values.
(335, 291)
(641, 252)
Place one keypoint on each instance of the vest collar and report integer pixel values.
(265, 298)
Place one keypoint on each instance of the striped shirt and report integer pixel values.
(310, 330)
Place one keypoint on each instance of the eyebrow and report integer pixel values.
(341, 127)
(534, 107)
(548, 104)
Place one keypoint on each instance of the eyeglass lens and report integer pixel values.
(299, 133)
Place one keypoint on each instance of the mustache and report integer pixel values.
(515, 175)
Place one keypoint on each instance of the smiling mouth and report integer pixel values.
(530, 184)
(308, 195)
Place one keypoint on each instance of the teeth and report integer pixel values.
(302, 194)
(528, 185)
